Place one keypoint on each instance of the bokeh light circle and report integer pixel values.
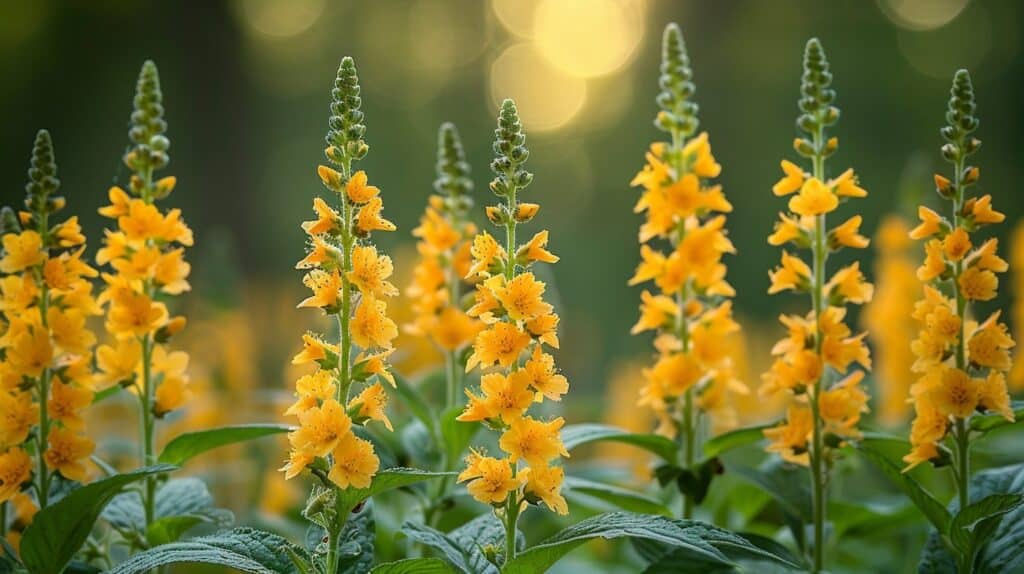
(547, 99)
(280, 18)
(922, 14)
(588, 38)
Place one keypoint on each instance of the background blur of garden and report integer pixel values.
(246, 86)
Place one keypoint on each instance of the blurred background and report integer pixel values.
(247, 84)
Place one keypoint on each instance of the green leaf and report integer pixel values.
(483, 531)
(621, 497)
(58, 531)
(186, 499)
(355, 546)
(387, 479)
(929, 506)
(985, 423)
(244, 549)
(185, 446)
(171, 528)
(414, 566)
(752, 551)
(416, 404)
(576, 435)
(542, 556)
(466, 558)
(734, 439)
(787, 484)
(456, 435)
(105, 393)
(1001, 554)
(972, 526)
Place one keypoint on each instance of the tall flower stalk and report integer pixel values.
(962, 364)
(439, 278)
(46, 377)
(145, 254)
(693, 374)
(819, 349)
(349, 282)
(518, 373)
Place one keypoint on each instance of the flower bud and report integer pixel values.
(526, 211)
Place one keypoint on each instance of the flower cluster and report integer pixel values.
(1017, 263)
(819, 345)
(962, 363)
(348, 279)
(889, 319)
(519, 324)
(691, 311)
(445, 236)
(46, 376)
(146, 258)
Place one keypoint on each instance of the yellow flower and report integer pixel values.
(68, 330)
(978, 284)
(310, 390)
(18, 414)
(15, 470)
(536, 249)
(487, 255)
(815, 198)
(355, 463)
(545, 329)
(793, 180)
(790, 438)
(848, 283)
(368, 219)
(534, 441)
(502, 397)
(370, 272)
(921, 452)
(321, 428)
(655, 312)
(956, 393)
(985, 257)
(321, 253)
(981, 210)
(370, 404)
(934, 263)
(118, 364)
(325, 287)
(794, 274)
(956, 244)
(931, 223)
(69, 233)
(31, 352)
(370, 325)
(842, 405)
(846, 185)
(993, 396)
(331, 178)
(135, 315)
(21, 250)
(500, 343)
(545, 483)
(437, 233)
(19, 292)
(66, 404)
(454, 329)
(327, 222)
(543, 376)
(119, 201)
(142, 221)
(67, 453)
(490, 479)
(848, 234)
(357, 189)
(522, 297)
(989, 345)
(788, 229)
(314, 349)
(652, 266)
(170, 272)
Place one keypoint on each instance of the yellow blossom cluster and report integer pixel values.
(961, 363)
(46, 376)
(445, 238)
(819, 347)
(888, 317)
(348, 280)
(510, 350)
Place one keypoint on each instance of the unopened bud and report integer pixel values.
(330, 177)
(526, 211)
(165, 186)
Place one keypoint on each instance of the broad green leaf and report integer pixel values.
(456, 435)
(387, 479)
(185, 446)
(929, 506)
(355, 545)
(58, 531)
(1001, 554)
(486, 530)
(787, 484)
(415, 566)
(466, 558)
(764, 553)
(621, 497)
(417, 405)
(171, 528)
(985, 423)
(244, 549)
(972, 526)
(542, 556)
(576, 435)
(180, 502)
(734, 439)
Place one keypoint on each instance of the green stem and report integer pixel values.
(453, 381)
(44, 413)
(961, 429)
(147, 398)
(511, 522)
(818, 467)
(510, 230)
(344, 316)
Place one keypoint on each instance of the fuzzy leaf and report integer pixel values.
(245, 549)
(415, 566)
(576, 435)
(542, 556)
(387, 479)
(620, 497)
(58, 531)
(486, 530)
(761, 555)
(185, 446)
(456, 435)
(466, 558)
(930, 507)
(734, 439)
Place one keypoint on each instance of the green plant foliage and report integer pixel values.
(186, 446)
(243, 549)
